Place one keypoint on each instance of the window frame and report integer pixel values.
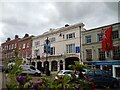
(88, 39)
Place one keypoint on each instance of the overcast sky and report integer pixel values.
(35, 18)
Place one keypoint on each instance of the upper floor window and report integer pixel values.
(36, 52)
(52, 39)
(24, 45)
(9, 47)
(115, 34)
(20, 46)
(15, 45)
(71, 35)
(116, 52)
(37, 43)
(3, 48)
(28, 45)
(99, 36)
(12, 46)
(88, 39)
(70, 48)
(52, 51)
(101, 54)
(89, 54)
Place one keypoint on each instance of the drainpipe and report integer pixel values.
(80, 60)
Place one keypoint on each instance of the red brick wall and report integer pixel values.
(25, 47)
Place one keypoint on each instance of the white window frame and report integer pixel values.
(88, 39)
(70, 35)
(70, 48)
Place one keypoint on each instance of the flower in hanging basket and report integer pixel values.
(21, 79)
(37, 85)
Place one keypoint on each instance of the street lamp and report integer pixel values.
(46, 64)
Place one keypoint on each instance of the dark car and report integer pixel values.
(2, 68)
(102, 78)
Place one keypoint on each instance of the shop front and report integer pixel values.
(112, 66)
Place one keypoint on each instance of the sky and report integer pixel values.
(36, 17)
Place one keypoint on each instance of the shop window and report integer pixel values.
(117, 72)
(61, 65)
(54, 66)
(116, 53)
(97, 66)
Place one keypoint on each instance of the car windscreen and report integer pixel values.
(90, 72)
(60, 72)
(67, 73)
(33, 68)
(98, 73)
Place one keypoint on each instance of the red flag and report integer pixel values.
(107, 39)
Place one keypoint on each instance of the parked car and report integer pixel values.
(30, 70)
(64, 72)
(101, 78)
(2, 68)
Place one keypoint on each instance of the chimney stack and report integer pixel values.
(66, 25)
(16, 36)
(8, 39)
(26, 35)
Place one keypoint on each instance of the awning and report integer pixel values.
(103, 63)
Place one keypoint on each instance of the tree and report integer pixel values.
(16, 52)
(77, 66)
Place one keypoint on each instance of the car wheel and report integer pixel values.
(115, 85)
(36, 74)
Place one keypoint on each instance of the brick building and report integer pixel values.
(22, 45)
(9, 47)
(25, 47)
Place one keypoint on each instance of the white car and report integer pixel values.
(30, 70)
(64, 72)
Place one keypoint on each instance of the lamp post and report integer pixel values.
(46, 64)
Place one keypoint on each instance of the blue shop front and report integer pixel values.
(112, 66)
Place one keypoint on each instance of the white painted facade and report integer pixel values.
(60, 44)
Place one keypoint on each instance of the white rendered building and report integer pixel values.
(64, 44)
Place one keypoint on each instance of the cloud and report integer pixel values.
(36, 18)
